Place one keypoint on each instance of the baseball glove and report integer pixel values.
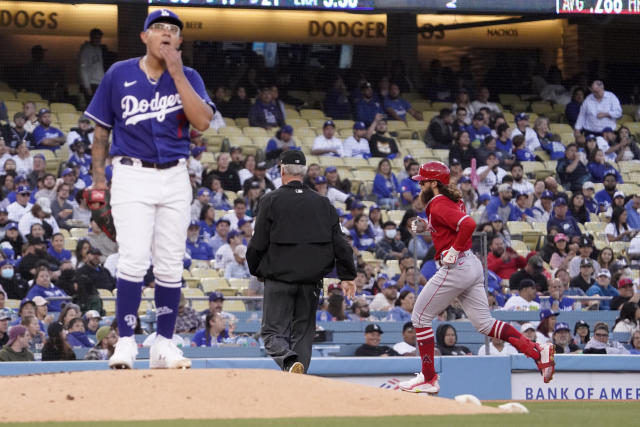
(98, 202)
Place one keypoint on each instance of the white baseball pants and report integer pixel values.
(151, 213)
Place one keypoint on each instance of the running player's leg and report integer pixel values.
(169, 237)
(434, 299)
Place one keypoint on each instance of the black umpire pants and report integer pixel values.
(289, 321)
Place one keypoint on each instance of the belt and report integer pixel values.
(128, 161)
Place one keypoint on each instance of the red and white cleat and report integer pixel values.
(546, 364)
(419, 385)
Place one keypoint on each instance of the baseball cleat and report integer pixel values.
(164, 354)
(297, 368)
(419, 385)
(546, 364)
(124, 354)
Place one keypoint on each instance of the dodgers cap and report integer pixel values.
(162, 15)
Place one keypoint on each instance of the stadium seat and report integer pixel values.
(312, 114)
(62, 107)
(239, 283)
(230, 131)
(233, 305)
(316, 123)
(541, 108)
(355, 162)
(201, 273)
(192, 292)
(254, 131)
(437, 106)
(242, 122)
(12, 303)
(211, 284)
(291, 113)
(305, 131)
(517, 227)
(79, 233)
(297, 123)
(396, 125)
(508, 99)
(520, 247)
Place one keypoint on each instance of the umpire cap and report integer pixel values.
(293, 157)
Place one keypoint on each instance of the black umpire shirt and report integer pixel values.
(297, 238)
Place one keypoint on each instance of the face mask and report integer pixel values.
(7, 273)
(364, 313)
(390, 233)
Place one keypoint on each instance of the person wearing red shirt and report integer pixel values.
(461, 276)
(503, 261)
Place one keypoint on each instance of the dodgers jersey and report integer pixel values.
(147, 119)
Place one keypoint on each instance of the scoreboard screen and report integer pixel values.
(598, 7)
(344, 5)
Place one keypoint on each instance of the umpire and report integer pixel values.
(296, 242)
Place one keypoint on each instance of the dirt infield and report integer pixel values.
(204, 394)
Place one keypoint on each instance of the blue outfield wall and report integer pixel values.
(487, 377)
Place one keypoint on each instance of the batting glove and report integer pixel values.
(418, 226)
(450, 256)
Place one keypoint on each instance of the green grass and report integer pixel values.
(547, 414)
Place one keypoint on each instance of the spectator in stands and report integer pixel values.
(61, 208)
(562, 253)
(446, 339)
(371, 346)
(282, 141)
(409, 189)
(497, 347)
(584, 252)
(92, 321)
(76, 335)
(207, 222)
(531, 142)
(57, 347)
(238, 269)
(31, 118)
(239, 104)
(572, 109)
(45, 135)
(38, 336)
(334, 181)
(482, 101)
(237, 160)
(385, 186)
(469, 194)
(396, 107)
(533, 271)
(609, 144)
(625, 294)
(629, 149)
(239, 212)
(337, 304)
(600, 343)
(632, 206)
(362, 234)
(217, 198)
(266, 113)
(360, 310)
(106, 339)
(259, 176)
(213, 332)
(549, 142)
(629, 319)
(490, 175)
(199, 202)
(40, 213)
(581, 333)
(559, 219)
(42, 286)
(17, 348)
(529, 331)
(520, 150)
(588, 191)
(14, 286)
(220, 238)
(617, 230)
(403, 308)
(357, 145)
(83, 134)
(503, 261)
(544, 331)
(521, 211)
(327, 143)
(543, 208)
(81, 212)
(336, 102)
(634, 343)
(381, 145)
(95, 271)
(225, 254)
(572, 169)
(368, 107)
(599, 169)
(197, 247)
(584, 280)
(463, 103)
(18, 133)
(460, 121)
(188, 320)
(23, 159)
(228, 177)
(562, 339)
(599, 110)
(248, 168)
(407, 347)
(477, 130)
(56, 248)
(194, 164)
(462, 151)
(602, 288)
(499, 206)
(385, 300)
(439, 133)
(390, 246)
(524, 301)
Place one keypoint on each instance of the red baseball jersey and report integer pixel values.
(449, 224)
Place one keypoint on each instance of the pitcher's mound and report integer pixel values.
(205, 394)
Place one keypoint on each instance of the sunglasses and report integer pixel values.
(602, 335)
(173, 29)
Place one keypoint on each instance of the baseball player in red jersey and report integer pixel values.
(461, 275)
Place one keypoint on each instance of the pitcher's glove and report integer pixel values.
(98, 202)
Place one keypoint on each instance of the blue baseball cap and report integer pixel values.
(40, 156)
(560, 201)
(66, 171)
(359, 126)
(232, 234)
(590, 137)
(483, 198)
(382, 276)
(561, 326)
(328, 123)
(546, 194)
(3, 210)
(495, 217)
(374, 208)
(546, 313)
(194, 223)
(20, 178)
(202, 191)
(287, 129)
(607, 129)
(215, 296)
(388, 284)
(243, 222)
(407, 157)
(12, 226)
(521, 116)
(162, 15)
(320, 179)
(22, 189)
(464, 179)
(223, 220)
(330, 169)
(357, 205)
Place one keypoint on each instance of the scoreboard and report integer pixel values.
(598, 7)
(343, 5)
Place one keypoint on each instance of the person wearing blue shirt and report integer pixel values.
(523, 154)
(57, 250)
(385, 185)
(45, 135)
(610, 188)
(207, 222)
(213, 332)
(265, 113)
(282, 141)
(499, 206)
(603, 288)
(79, 158)
(572, 169)
(633, 217)
(43, 287)
(588, 190)
(368, 106)
(398, 108)
(363, 237)
(409, 188)
(565, 223)
(555, 149)
(599, 168)
(503, 142)
(402, 312)
(477, 129)
(196, 247)
(520, 212)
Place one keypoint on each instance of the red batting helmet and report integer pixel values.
(433, 171)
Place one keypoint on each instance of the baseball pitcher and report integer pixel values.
(461, 275)
(148, 104)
